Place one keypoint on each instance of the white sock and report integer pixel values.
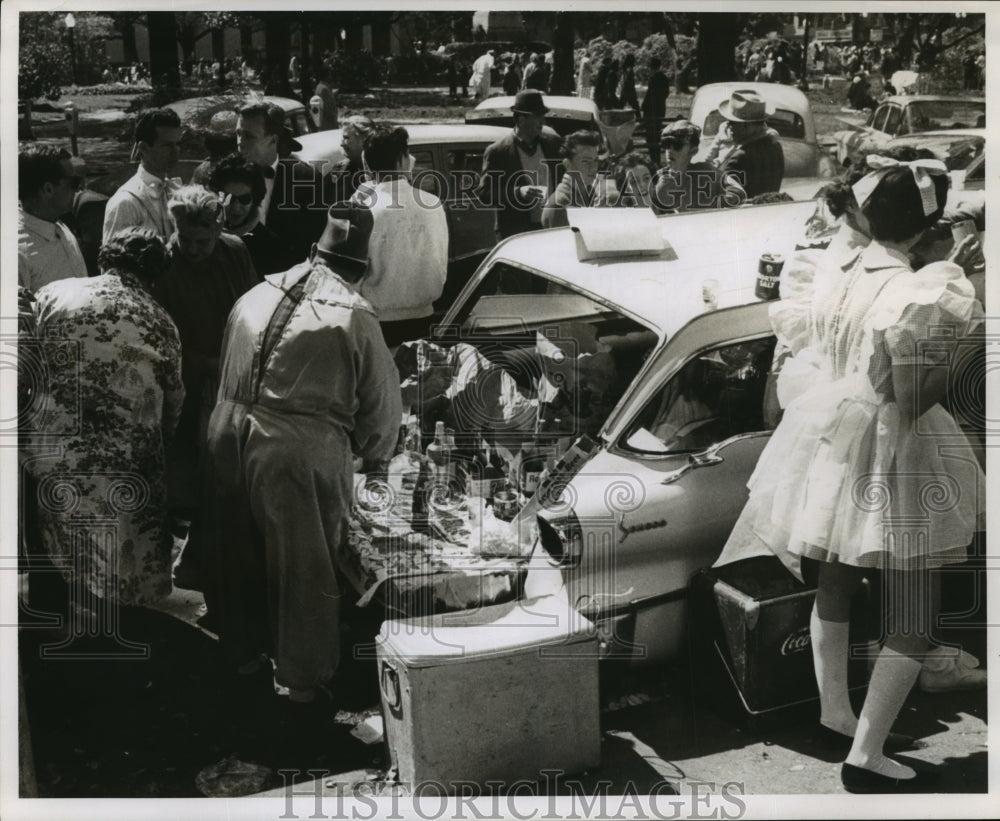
(891, 682)
(830, 645)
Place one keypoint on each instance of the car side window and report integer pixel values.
(893, 120)
(717, 394)
(299, 123)
(880, 117)
(427, 181)
(464, 168)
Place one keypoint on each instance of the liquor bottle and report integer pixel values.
(419, 521)
(439, 452)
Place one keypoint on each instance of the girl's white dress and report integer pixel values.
(843, 478)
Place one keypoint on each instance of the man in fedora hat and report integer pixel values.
(306, 384)
(757, 160)
(519, 170)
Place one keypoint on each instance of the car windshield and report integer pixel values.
(928, 115)
(552, 337)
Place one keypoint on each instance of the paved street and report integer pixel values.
(147, 728)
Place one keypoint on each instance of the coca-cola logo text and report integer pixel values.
(795, 642)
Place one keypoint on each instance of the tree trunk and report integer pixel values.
(308, 81)
(163, 67)
(718, 36)
(130, 50)
(563, 81)
(25, 132)
(904, 44)
(381, 37)
(277, 47)
(246, 41)
(218, 45)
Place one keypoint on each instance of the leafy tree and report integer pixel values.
(42, 58)
(925, 37)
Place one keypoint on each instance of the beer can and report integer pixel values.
(962, 229)
(768, 276)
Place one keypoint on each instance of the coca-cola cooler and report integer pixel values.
(751, 656)
(494, 694)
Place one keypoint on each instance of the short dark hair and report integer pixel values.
(654, 63)
(384, 145)
(37, 165)
(579, 138)
(894, 209)
(237, 168)
(627, 162)
(152, 118)
(138, 251)
(272, 115)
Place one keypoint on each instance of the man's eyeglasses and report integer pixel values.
(242, 199)
(673, 142)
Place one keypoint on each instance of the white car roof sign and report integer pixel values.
(610, 232)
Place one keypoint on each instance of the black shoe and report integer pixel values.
(840, 743)
(860, 780)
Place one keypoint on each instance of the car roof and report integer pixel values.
(665, 293)
(555, 102)
(191, 107)
(939, 136)
(906, 99)
(707, 98)
(325, 145)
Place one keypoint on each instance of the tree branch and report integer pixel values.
(965, 36)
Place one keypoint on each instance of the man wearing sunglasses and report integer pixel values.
(47, 180)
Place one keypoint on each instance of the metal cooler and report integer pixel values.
(494, 694)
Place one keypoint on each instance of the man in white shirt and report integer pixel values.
(47, 249)
(408, 247)
(142, 200)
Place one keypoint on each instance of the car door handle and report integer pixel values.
(695, 460)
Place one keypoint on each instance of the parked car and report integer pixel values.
(792, 120)
(904, 115)
(449, 160)
(961, 150)
(687, 349)
(566, 115)
(196, 114)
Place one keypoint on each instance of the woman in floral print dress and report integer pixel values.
(114, 398)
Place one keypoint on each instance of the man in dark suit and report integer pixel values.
(294, 205)
(519, 170)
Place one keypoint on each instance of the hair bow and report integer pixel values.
(922, 171)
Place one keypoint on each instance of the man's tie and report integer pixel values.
(268, 172)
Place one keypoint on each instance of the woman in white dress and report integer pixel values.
(866, 471)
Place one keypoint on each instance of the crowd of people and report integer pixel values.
(234, 357)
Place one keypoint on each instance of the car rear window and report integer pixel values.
(932, 114)
(786, 123)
